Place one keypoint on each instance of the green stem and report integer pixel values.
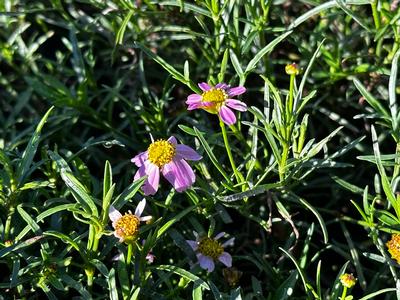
(375, 14)
(7, 228)
(344, 293)
(129, 254)
(238, 175)
(289, 110)
(282, 164)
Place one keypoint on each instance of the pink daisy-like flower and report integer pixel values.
(126, 227)
(208, 250)
(169, 157)
(218, 100)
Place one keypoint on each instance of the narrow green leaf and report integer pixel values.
(183, 273)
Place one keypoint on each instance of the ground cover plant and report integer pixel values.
(215, 149)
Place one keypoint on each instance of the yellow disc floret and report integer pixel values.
(214, 95)
(348, 280)
(161, 152)
(210, 247)
(127, 227)
(394, 247)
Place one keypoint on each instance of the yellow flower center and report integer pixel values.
(394, 247)
(210, 247)
(348, 280)
(127, 226)
(217, 96)
(161, 152)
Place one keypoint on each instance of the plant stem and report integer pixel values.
(239, 177)
(129, 254)
(344, 293)
(7, 226)
(376, 15)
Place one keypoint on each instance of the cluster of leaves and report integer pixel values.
(83, 83)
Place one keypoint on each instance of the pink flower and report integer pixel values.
(169, 157)
(218, 100)
(126, 227)
(208, 250)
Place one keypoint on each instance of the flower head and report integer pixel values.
(217, 100)
(126, 227)
(208, 250)
(169, 157)
(292, 69)
(394, 247)
(348, 280)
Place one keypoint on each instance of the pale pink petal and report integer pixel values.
(150, 187)
(228, 242)
(226, 115)
(114, 214)
(193, 244)
(146, 218)
(226, 259)
(236, 91)
(195, 106)
(139, 159)
(206, 263)
(173, 140)
(179, 174)
(222, 86)
(140, 172)
(150, 257)
(219, 235)
(193, 98)
(139, 208)
(204, 86)
(236, 104)
(186, 152)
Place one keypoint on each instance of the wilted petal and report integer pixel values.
(204, 86)
(226, 259)
(236, 91)
(193, 244)
(114, 214)
(173, 140)
(193, 98)
(236, 104)
(227, 116)
(140, 159)
(179, 174)
(187, 153)
(140, 207)
(206, 263)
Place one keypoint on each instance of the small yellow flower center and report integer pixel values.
(217, 96)
(210, 247)
(394, 247)
(348, 280)
(161, 152)
(127, 226)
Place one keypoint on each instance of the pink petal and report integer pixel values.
(206, 263)
(139, 159)
(139, 208)
(179, 174)
(150, 257)
(193, 244)
(195, 106)
(150, 187)
(140, 172)
(236, 104)
(114, 214)
(236, 91)
(173, 140)
(226, 259)
(222, 86)
(193, 98)
(227, 116)
(204, 86)
(186, 152)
